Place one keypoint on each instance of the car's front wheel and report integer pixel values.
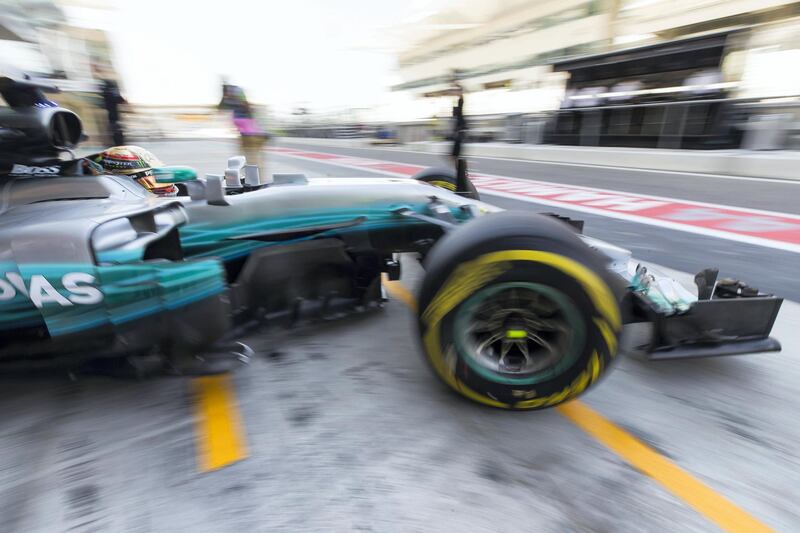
(516, 312)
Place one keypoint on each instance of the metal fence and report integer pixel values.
(714, 123)
(685, 124)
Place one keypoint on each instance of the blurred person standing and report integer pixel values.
(459, 121)
(112, 100)
(251, 136)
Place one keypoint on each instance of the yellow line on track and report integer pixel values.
(399, 291)
(220, 437)
(702, 498)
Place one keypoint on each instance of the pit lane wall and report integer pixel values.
(780, 164)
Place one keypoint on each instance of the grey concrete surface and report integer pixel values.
(348, 429)
(779, 164)
(782, 196)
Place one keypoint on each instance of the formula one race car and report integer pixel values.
(517, 310)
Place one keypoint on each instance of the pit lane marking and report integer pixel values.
(220, 438)
(699, 496)
(763, 228)
(713, 506)
(783, 181)
(399, 291)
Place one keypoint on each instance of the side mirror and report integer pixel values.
(214, 191)
(174, 174)
(210, 189)
(235, 172)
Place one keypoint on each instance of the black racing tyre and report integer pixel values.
(517, 312)
(445, 178)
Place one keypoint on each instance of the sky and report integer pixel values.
(322, 54)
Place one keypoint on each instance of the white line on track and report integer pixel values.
(788, 247)
(785, 181)
(708, 232)
(640, 195)
(571, 186)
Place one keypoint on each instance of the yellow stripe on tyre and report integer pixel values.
(595, 287)
(433, 349)
(472, 275)
(443, 185)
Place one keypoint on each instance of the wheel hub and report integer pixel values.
(517, 331)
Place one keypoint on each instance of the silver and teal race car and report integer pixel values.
(517, 310)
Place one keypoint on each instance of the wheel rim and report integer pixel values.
(519, 333)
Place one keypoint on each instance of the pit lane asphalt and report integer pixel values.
(348, 430)
(772, 195)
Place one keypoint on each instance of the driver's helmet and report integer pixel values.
(137, 163)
